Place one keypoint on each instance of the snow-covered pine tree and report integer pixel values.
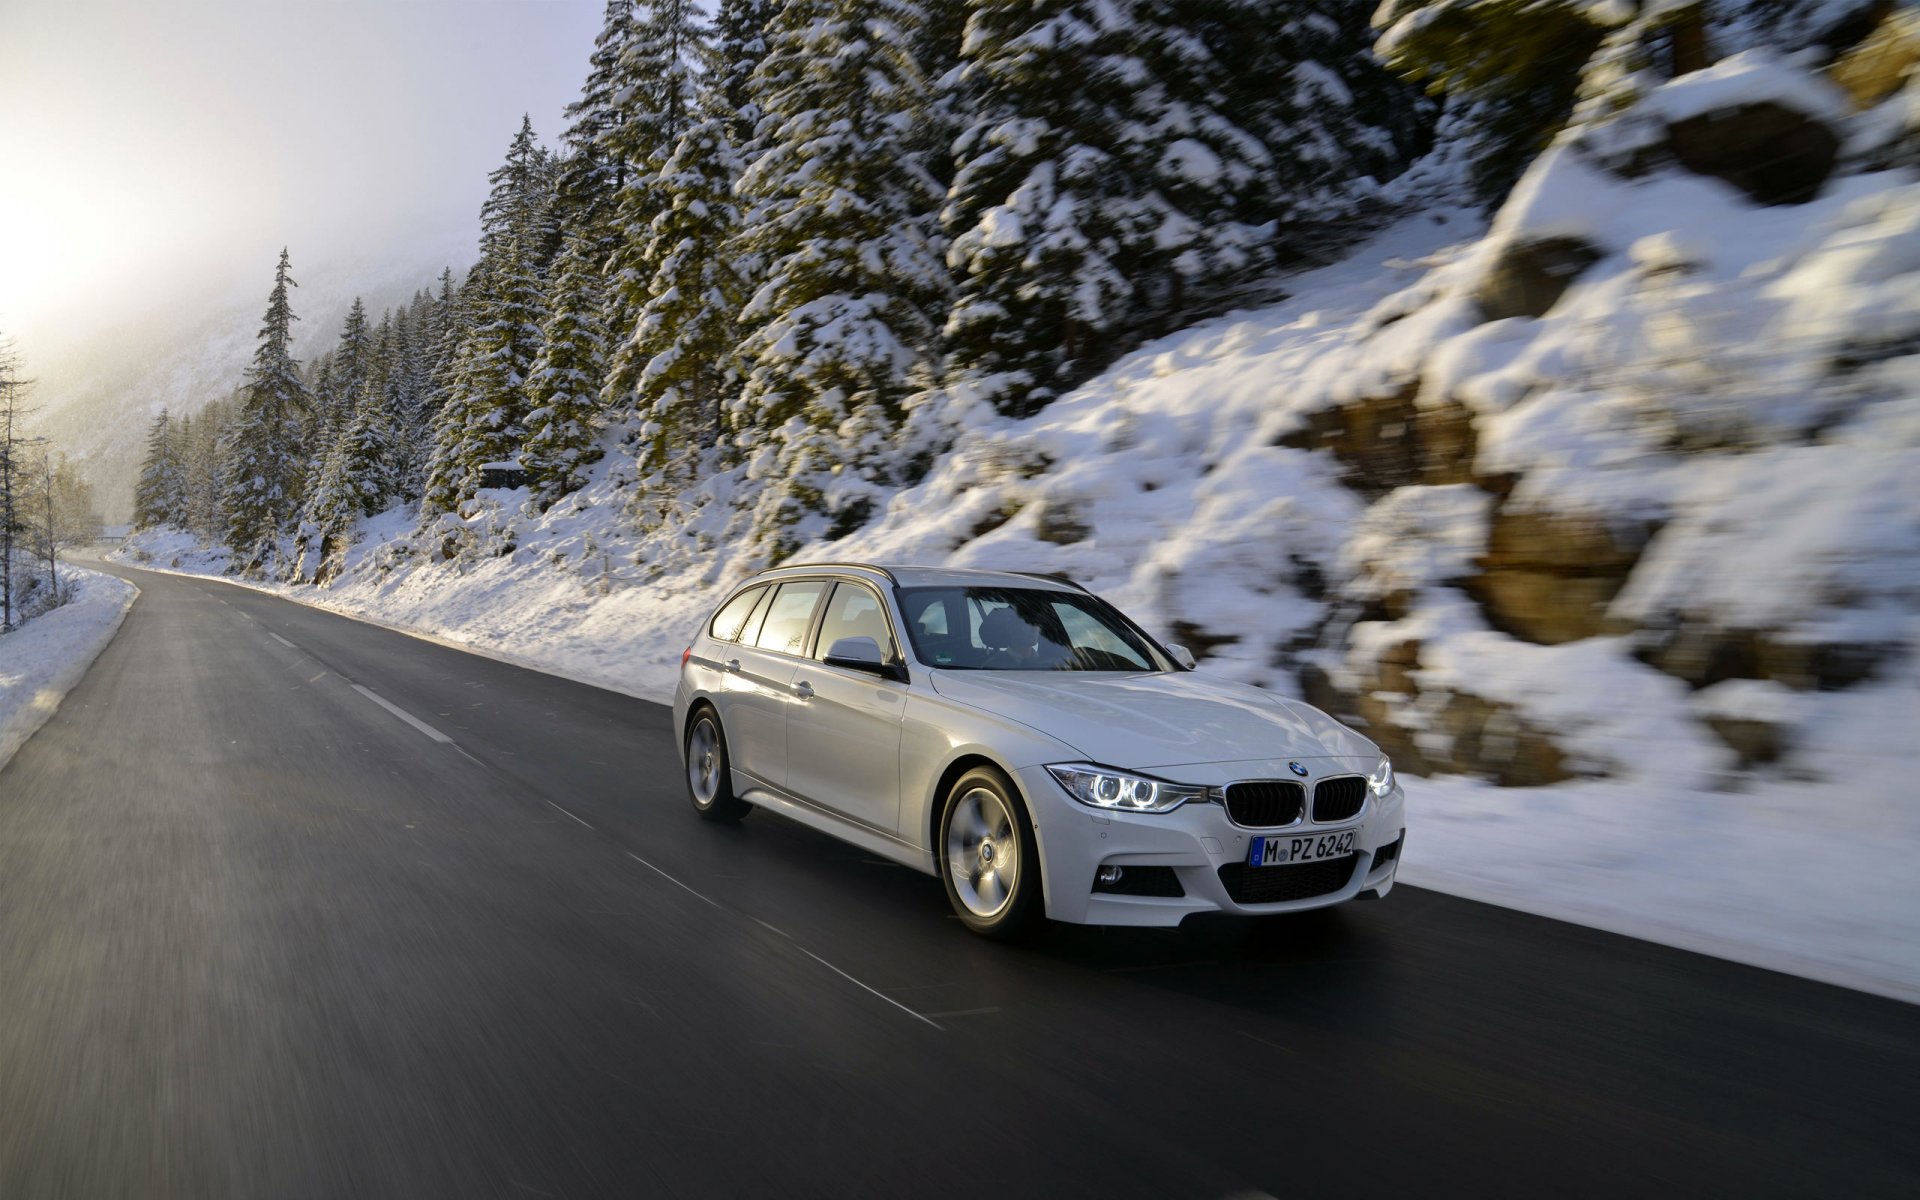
(205, 481)
(939, 34)
(593, 169)
(841, 211)
(660, 76)
(159, 496)
(563, 388)
(407, 390)
(1513, 66)
(688, 332)
(483, 417)
(262, 454)
(1102, 181)
(352, 359)
(739, 43)
(1300, 75)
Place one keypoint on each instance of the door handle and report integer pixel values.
(733, 664)
(803, 689)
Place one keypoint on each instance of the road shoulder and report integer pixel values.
(42, 660)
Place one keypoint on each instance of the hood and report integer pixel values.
(1143, 722)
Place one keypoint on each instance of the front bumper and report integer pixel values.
(1194, 841)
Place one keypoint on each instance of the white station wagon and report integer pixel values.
(1023, 740)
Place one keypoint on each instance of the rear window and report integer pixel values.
(785, 626)
(732, 615)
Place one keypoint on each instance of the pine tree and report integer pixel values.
(159, 497)
(659, 80)
(1102, 179)
(262, 452)
(688, 332)
(1300, 76)
(739, 43)
(1513, 65)
(841, 211)
(203, 474)
(483, 417)
(594, 170)
(352, 359)
(564, 386)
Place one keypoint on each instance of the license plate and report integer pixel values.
(1308, 847)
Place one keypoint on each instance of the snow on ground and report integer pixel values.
(1727, 373)
(41, 661)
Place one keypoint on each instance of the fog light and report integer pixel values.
(1108, 875)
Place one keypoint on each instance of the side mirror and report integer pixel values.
(860, 654)
(1181, 655)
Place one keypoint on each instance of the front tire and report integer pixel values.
(709, 779)
(990, 858)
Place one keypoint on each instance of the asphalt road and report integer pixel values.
(260, 936)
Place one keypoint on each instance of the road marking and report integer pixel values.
(967, 1012)
(569, 814)
(670, 879)
(850, 979)
(404, 715)
(789, 938)
(284, 642)
(1265, 1042)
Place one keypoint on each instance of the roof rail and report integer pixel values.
(1054, 577)
(796, 566)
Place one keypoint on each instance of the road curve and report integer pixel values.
(291, 905)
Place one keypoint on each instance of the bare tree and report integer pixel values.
(13, 415)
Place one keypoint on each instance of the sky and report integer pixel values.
(154, 153)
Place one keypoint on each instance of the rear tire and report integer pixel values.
(989, 858)
(709, 778)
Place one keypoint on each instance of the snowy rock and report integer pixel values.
(1880, 65)
(1548, 577)
(1416, 538)
(1775, 154)
(1528, 277)
(1393, 439)
(1755, 719)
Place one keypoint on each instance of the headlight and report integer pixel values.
(1381, 781)
(1103, 787)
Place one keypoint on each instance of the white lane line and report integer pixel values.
(967, 1012)
(850, 979)
(796, 945)
(568, 813)
(284, 642)
(670, 879)
(1265, 1042)
(404, 715)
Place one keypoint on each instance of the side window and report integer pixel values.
(854, 611)
(785, 626)
(750, 632)
(728, 621)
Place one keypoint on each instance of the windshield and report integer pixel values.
(1022, 629)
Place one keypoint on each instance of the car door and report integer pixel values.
(759, 688)
(843, 739)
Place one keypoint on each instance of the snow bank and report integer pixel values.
(41, 661)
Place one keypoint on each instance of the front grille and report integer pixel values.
(1387, 854)
(1263, 803)
(1338, 799)
(1142, 881)
(1271, 885)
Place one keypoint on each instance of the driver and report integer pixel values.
(1017, 642)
